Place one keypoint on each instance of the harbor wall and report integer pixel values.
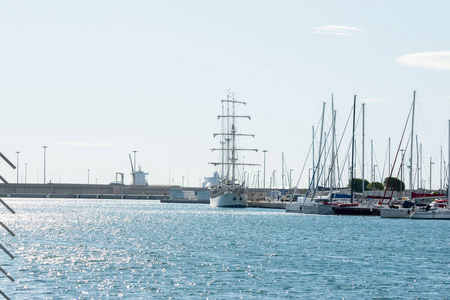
(65, 190)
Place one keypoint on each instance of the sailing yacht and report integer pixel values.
(438, 209)
(230, 191)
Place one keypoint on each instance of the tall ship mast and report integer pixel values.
(231, 191)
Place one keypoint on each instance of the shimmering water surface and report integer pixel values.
(82, 249)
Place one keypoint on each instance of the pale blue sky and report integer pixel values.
(95, 80)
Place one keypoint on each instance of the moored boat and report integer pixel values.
(230, 191)
(438, 209)
(227, 196)
(432, 211)
(357, 209)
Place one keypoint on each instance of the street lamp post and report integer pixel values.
(44, 147)
(17, 166)
(26, 165)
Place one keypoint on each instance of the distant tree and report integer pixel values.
(377, 186)
(357, 184)
(394, 184)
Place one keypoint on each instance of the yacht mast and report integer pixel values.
(332, 148)
(228, 136)
(448, 173)
(282, 170)
(412, 145)
(363, 139)
(233, 149)
(417, 163)
(320, 143)
(353, 151)
(372, 166)
(313, 162)
(222, 142)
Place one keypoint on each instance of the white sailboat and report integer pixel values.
(230, 192)
(439, 210)
(393, 211)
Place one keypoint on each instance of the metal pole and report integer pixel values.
(45, 147)
(401, 165)
(363, 148)
(418, 163)
(313, 161)
(309, 177)
(448, 173)
(258, 178)
(431, 163)
(282, 170)
(264, 183)
(290, 178)
(412, 145)
(26, 165)
(440, 169)
(134, 173)
(353, 150)
(88, 176)
(17, 166)
(372, 166)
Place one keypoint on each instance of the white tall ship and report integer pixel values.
(230, 191)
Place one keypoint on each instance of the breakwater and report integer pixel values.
(99, 191)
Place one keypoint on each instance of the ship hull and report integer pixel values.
(310, 208)
(438, 214)
(399, 213)
(356, 211)
(318, 209)
(229, 199)
(294, 207)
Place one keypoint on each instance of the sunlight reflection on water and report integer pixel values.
(144, 249)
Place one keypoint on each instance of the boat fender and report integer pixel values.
(408, 212)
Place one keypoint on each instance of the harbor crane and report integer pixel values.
(133, 171)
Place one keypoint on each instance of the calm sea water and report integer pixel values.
(83, 249)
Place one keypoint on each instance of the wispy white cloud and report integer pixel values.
(337, 30)
(81, 144)
(429, 60)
